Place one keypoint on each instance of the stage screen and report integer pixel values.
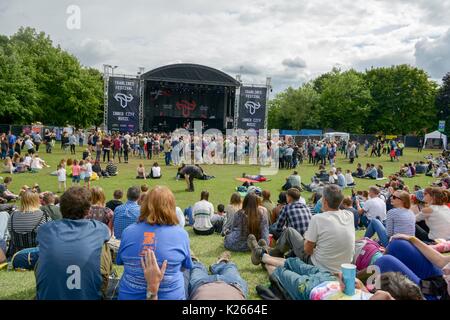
(188, 101)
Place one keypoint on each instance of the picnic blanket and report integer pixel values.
(250, 180)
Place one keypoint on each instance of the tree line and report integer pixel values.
(40, 82)
(392, 100)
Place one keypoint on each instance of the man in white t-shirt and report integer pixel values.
(374, 208)
(328, 242)
(202, 212)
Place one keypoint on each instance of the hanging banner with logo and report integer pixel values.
(123, 104)
(252, 108)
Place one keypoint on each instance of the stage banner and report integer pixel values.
(252, 108)
(123, 104)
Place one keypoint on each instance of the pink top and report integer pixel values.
(76, 170)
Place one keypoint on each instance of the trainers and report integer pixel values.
(257, 251)
(263, 244)
(225, 257)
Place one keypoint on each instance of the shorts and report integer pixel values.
(76, 179)
(87, 179)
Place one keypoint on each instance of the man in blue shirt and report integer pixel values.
(74, 261)
(128, 213)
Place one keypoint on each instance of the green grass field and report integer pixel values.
(20, 285)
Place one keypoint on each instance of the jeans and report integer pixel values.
(402, 256)
(188, 213)
(106, 153)
(376, 226)
(290, 239)
(225, 272)
(115, 151)
(167, 158)
(299, 278)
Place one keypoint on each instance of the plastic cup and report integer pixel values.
(349, 277)
(270, 239)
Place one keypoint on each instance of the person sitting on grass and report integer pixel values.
(328, 242)
(433, 220)
(202, 212)
(294, 180)
(83, 264)
(24, 224)
(295, 215)
(218, 218)
(37, 164)
(349, 181)
(230, 211)
(420, 263)
(322, 175)
(300, 281)
(141, 172)
(157, 230)
(251, 219)
(111, 169)
(117, 201)
(5, 193)
(359, 171)
(49, 208)
(98, 209)
(155, 171)
(127, 213)
(398, 220)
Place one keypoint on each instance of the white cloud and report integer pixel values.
(268, 38)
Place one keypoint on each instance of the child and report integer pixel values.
(88, 173)
(218, 218)
(392, 154)
(61, 173)
(82, 170)
(86, 154)
(76, 171)
(141, 172)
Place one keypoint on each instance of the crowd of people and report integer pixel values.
(300, 244)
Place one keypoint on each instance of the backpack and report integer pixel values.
(365, 248)
(25, 259)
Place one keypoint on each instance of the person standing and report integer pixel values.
(72, 143)
(37, 139)
(62, 177)
(48, 141)
(116, 148)
(106, 146)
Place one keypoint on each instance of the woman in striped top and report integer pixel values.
(399, 220)
(23, 224)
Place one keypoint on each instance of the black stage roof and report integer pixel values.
(190, 73)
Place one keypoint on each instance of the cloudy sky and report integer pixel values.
(290, 40)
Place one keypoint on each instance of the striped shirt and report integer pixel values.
(400, 220)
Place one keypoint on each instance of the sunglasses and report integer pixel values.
(395, 197)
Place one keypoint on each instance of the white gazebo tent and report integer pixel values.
(331, 136)
(436, 135)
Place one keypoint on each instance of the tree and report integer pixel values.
(404, 100)
(345, 101)
(41, 82)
